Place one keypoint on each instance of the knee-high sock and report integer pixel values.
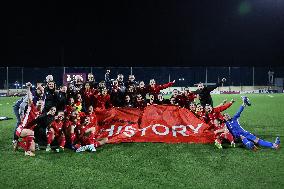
(28, 139)
(23, 144)
(62, 141)
(218, 138)
(97, 144)
(91, 138)
(49, 137)
(229, 137)
(73, 136)
(265, 143)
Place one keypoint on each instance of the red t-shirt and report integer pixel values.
(57, 126)
(31, 114)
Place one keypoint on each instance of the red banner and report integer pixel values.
(157, 123)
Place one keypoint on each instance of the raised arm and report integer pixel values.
(23, 106)
(108, 79)
(107, 76)
(238, 114)
(29, 93)
(211, 88)
(164, 86)
(224, 107)
(26, 101)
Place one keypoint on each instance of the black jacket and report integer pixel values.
(204, 94)
(50, 99)
(61, 101)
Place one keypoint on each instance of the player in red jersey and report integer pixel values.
(184, 99)
(92, 115)
(25, 129)
(190, 95)
(215, 113)
(103, 100)
(222, 133)
(69, 128)
(86, 137)
(70, 107)
(192, 108)
(93, 118)
(154, 89)
(200, 113)
(88, 95)
(55, 131)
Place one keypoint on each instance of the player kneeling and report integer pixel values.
(222, 133)
(55, 132)
(25, 129)
(86, 139)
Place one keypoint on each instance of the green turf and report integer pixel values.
(154, 165)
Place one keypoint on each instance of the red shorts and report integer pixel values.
(86, 141)
(19, 130)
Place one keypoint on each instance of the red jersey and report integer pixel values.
(140, 104)
(88, 96)
(157, 88)
(93, 118)
(202, 116)
(103, 101)
(82, 129)
(27, 123)
(69, 109)
(191, 96)
(94, 122)
(31, 114)
(185, 100)
(57, 125)
(182, 101)
(216, 112)
(67, 124)
(221, 126)
(88, 93)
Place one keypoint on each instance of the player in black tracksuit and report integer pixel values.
(61, 98)
(50, 96)
(204, 93)
(43, 121)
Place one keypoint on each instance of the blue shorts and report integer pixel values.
(249, 136)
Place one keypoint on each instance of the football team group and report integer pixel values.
(66, 117)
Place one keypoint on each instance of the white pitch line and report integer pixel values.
(270, 96)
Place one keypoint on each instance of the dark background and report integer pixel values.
(146, 33)
(180, 38)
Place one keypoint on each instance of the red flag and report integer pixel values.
(157, 123)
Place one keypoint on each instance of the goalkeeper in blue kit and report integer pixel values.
(248, 139)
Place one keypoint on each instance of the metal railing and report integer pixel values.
(16, 77)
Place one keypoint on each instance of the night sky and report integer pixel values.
(149, 33)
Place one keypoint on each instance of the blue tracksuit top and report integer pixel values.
(234, 126)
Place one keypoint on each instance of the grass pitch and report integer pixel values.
(154, 165)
